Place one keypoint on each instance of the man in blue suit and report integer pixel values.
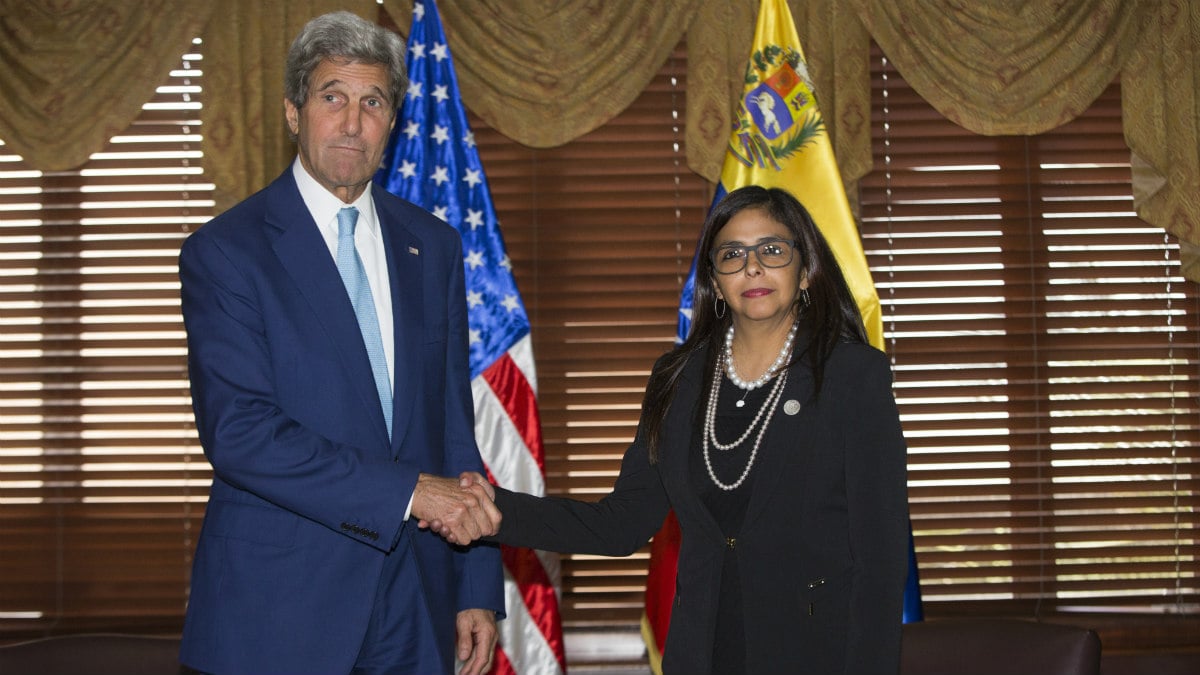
(327, 346)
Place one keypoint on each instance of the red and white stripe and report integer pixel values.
(509, 435)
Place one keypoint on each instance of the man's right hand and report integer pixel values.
(468, 478)
(460, 514)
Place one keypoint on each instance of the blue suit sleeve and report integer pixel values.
(481, 580)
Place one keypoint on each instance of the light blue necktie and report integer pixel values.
(354, 275)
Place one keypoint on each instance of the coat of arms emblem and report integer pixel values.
(777, 115)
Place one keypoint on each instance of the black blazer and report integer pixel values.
(822, 553)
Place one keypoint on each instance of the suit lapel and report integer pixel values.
(768, 467)
(792, 429)
(405, 256)
(678, 452)
(303, 253)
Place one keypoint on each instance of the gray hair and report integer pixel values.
(343, 35)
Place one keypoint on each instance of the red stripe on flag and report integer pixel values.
(500, 664)
(514, 393)
(660, 581)
(538, 594)
(519, 401)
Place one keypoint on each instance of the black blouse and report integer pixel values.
(728, 507)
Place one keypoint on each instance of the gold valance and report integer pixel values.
(544, 72)
(76, 72)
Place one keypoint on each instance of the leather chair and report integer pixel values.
(93, 654)
(998, 647)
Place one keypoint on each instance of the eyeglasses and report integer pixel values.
(731, 259)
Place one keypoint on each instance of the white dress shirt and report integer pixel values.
(368, 240)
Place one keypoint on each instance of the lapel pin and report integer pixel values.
(791, 407)
(412, 250)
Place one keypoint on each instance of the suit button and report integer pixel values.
(345, 526)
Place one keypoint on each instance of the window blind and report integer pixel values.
(601, 233)
(1047, 362)
(101, 482)
(1045, 351)
(104, 483)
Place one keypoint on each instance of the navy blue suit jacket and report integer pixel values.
(309, 494)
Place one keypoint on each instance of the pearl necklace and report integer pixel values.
(768, 407)
(731, 370)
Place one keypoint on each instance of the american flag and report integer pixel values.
(432, 161)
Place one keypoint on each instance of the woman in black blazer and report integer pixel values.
(773, 434)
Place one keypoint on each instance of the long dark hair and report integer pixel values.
(831, 316)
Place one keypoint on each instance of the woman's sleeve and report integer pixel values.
(617, 525)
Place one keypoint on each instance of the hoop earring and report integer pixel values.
(720, 307)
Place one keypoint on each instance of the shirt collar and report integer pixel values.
(324, 206)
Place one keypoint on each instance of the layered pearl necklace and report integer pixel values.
(765, 413)
(731, 370)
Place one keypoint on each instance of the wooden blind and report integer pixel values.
(101, 481)
(1047, 363)
(601, 233)
(1046, 354)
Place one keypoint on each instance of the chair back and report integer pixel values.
(997, 647)
(93, 654)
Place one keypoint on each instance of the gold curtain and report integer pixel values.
(76, 72)
(1007, 67)
(1025, 67)
(245, 139)
(544, 72)
(1160, 105)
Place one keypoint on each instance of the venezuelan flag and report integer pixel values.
(779, 140)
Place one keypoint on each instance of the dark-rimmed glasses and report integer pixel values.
(730, 259)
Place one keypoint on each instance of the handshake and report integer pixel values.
(461, 510)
